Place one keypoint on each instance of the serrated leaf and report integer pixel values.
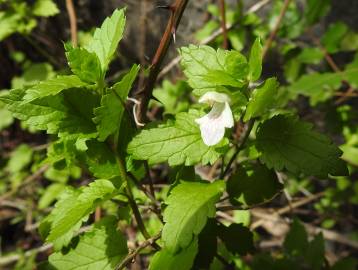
(255, 61)
(238, 239)
(101, 248)
(182, 260)
(286, 142)
(208, 69)
(109, 115)
(84, 64)
(263, 99)
(253, 185)
(105, 39)
(45, 8)
(65, 114)
(177, 143)
(190, 204)
(68, 215)
(53, 87)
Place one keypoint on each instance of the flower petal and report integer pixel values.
(213, 124)
(212, 96)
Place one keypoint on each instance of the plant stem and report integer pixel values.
(276, 27)
(132, 202)
(223, 23)
(241, 146)
(73, 22)
(135, 252)
(144, 95)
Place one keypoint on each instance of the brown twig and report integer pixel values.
(223, 23)
(73, 22)
(145, 94)
(335, 68)
(130, 257)
(97, 214)
(288, 208)
(276, 27)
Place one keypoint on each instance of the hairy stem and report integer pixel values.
(241, 146)
(144, 95)
(223, 23)
(132, 202)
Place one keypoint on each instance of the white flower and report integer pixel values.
(213, 124)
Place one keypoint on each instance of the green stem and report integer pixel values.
(132, 202)
(241, 146)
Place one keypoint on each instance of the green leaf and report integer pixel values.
(350, 74)
(6, 118)
(65, 114)
(190, 204)
(33, 74)
(332, 39)
(318, 86)
(84, 64)
(173, 96)
(310, 55)
(105, 39)
(72, 209)
(263, 98)
(315, 10)
(101, 160)
(207, 245)
(296, 241)
(237, 238)
(315, 253)
(253, 185)
(45, 8)
(286, 142)
(208, 69)
(109, 115)
(53, 86)
(19, 158)
(176, 143)
(101, 248)
(50, 194)
(347, 263)
(255, 61)
(182, 260)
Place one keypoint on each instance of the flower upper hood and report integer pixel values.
(213, 124)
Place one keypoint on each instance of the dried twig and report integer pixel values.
(73, 22)
(276, 27)
(130, 257)
(287, 208)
